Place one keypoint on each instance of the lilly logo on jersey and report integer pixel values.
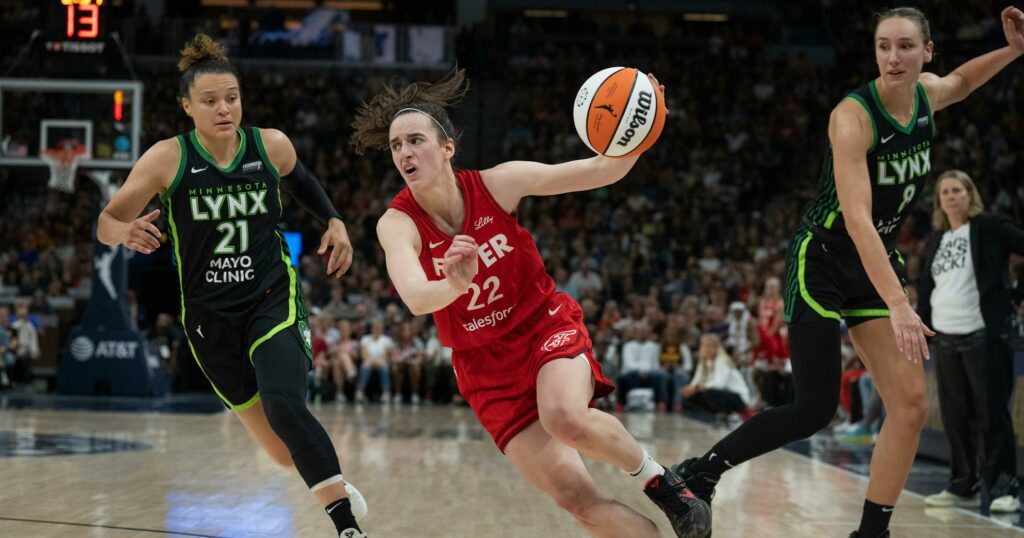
(482, 221)
(898, 167)
(558, 340)
(490, 252)
(228, 202)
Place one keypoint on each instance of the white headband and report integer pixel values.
(425, 114)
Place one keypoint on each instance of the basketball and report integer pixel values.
(618, 112)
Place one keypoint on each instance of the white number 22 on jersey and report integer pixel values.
(491, 284)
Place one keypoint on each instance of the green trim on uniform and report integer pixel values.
(871, 117)
(866, 313)
(832, 218)
(181, 284)
(181, 169)
(262, 150)
(257, 137)
(242, 407)
(292, 288)
(209, 158)
(905, 129)
(899, 258)
(803, 282)
(201, 369)
(931, 117)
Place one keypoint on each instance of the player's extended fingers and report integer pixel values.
(922, 344)
(898, 333)
(152, 229)
(332, 260)
(144, 238)
(909, 345)
(325, 241)
(344, 261)
(138, 247)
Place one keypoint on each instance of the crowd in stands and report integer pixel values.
(677, 267)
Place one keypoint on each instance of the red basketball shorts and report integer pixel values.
(499, 379)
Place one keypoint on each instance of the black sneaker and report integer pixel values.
(690, 516)
(701, 484)
(857, 534)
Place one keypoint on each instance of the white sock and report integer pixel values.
(326, 483)
(647, 470)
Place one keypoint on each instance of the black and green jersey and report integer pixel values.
(898, 162)
(224, 225)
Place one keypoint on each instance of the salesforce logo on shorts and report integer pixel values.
(82, 348)
(489, 320)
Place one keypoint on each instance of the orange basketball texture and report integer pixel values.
(619, 112)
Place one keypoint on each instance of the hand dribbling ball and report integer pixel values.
(619, 113)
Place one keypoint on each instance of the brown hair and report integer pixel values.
(373, 120)
(939, 219)
(200, 56)
(911, 13)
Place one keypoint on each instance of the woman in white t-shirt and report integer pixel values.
(964, 296)
(376, 349)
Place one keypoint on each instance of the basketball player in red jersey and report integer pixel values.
(522, 355)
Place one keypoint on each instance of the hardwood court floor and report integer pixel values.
(425, 472)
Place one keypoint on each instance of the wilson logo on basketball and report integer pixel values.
(639, 117)
(558, 340)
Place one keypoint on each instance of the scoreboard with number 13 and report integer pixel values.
(76, 26)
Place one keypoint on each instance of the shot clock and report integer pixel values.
(76, 26)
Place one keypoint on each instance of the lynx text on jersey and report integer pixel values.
(230, 206)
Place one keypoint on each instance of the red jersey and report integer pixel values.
(769, 308)
(511, 283)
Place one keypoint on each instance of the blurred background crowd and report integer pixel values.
(676, 267)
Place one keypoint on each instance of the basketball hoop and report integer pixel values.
(63, 163)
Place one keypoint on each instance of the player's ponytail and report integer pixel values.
(200, 56)
(373, 120)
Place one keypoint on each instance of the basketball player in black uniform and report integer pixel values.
(241, 303)
(844, 266)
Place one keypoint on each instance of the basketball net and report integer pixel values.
(63, 163)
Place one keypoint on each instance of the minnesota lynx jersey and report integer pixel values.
(899, 161)
(511, 284)
(224, 225)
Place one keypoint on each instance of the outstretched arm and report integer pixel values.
(511, 181)
(956, 86)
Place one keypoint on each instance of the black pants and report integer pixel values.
(22, 370)
(716, 401)
(975, 378)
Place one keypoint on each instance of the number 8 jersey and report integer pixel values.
(899, 162)
(511, 284)
(224, 224)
